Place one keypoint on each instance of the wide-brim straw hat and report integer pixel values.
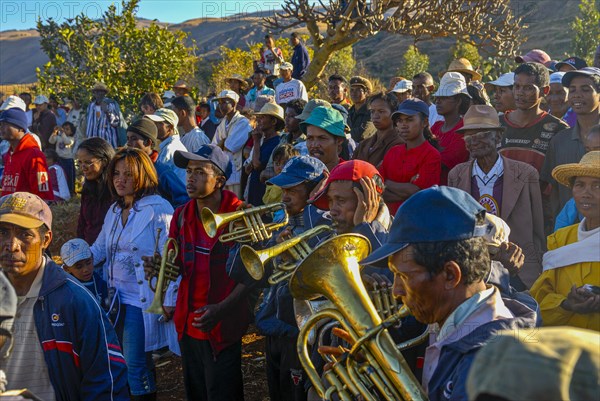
(100, 86)
(588, 166)
(239, 78)
(462, 65)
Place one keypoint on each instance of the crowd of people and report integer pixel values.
(480, 200)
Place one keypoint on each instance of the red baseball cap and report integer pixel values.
(352, 170)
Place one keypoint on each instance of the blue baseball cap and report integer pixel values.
(209, 153)
(412, 107)
(586, 72)
(299, 169)
(436, 214)
(16, 117)
(325, 118)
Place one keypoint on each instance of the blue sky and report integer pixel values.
(23, 14)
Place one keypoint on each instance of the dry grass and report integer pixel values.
(64, 224)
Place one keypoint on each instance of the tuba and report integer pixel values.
(253, 229)
(298, 247)
(332, 270)
(166, 274)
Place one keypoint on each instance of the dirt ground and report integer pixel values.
(170, 379)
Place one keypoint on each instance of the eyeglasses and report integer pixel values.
(87, 163)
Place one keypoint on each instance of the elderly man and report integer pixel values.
(439, 261)
(104, 116)
(64, 346)
(231, 136)
(506, 188)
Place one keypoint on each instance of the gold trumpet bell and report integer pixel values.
(254, 261)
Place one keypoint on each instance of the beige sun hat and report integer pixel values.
(481, 116)
(588, 166)
(273, 110)
(463, 65)
(239, 78)
(100, 86)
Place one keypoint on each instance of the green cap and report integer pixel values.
(326, 118)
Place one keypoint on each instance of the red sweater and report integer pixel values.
(25, 170)
(204, 277)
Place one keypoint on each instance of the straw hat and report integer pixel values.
(239, 78)
(100, 86)
(588, 166)
(181, 84)
(463, 65)
(273, 110)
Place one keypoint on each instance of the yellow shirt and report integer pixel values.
(552, 287)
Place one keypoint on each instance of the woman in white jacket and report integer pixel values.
(129, 231)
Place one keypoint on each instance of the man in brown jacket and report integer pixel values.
(506, 188)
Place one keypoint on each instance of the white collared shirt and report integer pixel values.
(486, 182)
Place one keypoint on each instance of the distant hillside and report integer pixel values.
(381, 55)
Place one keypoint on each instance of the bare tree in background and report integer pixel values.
(334, 25)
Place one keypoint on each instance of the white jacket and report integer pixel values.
(147, 215)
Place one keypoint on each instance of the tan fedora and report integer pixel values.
(181, 84)
(462, 65)
(238, 77)
(588, 166)
(273, 110)
(481, 116)
(100, 86)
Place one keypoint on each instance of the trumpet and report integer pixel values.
(298, 247)
(168, 272)
(254, 229)
(332, 270)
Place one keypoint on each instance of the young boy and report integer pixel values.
(78, 262)
(58, 177)
(281, 155)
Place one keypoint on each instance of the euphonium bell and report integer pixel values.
(253, 229)
(332, 270)
(298, 247)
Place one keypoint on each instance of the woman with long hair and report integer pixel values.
(93, 157)
(130, 229)
(381, 106)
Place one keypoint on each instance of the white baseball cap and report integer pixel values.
(13, 102)
(452, 83)
(229, 94)
(507, 79)
(402, 86)
(40, 99)
(556, 77)
(74, 251)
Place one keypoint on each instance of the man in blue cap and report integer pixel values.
(212, 311)
(440, 261)
(275, 318)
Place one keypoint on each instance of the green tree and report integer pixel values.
(338, 24)
(413, 62)
(465, 50)
(586, 30)
(129, 59)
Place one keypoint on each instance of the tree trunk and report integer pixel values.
(316, 67)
